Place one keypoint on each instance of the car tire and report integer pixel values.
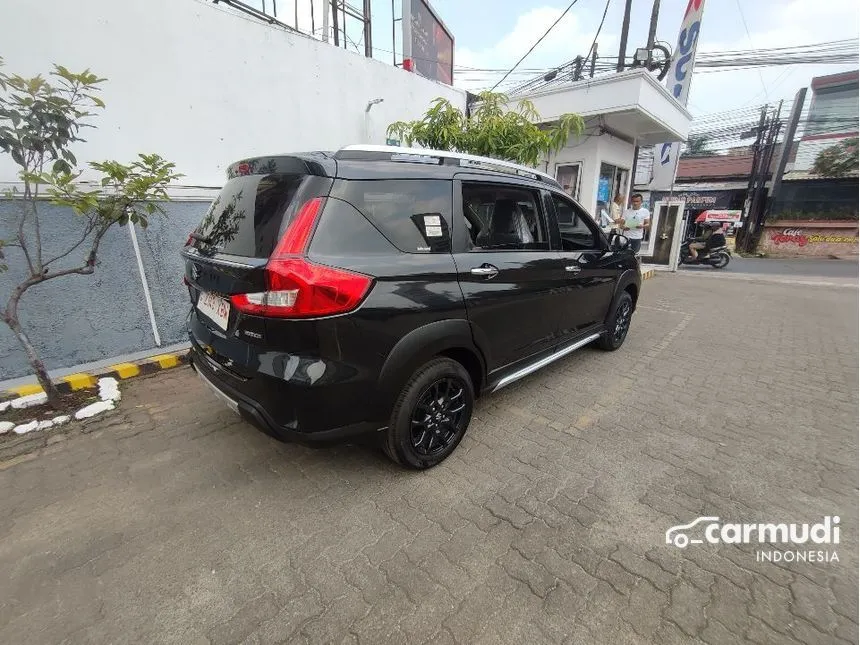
(431, 415)
(618, 323)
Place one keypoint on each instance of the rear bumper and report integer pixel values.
(255, 414)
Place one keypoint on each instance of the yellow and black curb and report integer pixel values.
(120, 371)
(647, 273)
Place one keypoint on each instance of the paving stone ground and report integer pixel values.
(173, 522)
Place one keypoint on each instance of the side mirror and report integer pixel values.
(618, 242)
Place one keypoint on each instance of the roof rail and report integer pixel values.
(427, 155)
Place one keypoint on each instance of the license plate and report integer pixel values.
(215, 308)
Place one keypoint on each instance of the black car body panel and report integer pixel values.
(400, 232)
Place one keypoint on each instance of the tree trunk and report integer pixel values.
(36, 363)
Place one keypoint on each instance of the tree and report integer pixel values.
(40, 119)
(837, 160)
(696, 146)
(491, 131)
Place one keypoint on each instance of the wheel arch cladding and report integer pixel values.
(633, 291)
(450, 338)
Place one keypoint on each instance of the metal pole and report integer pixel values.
(297, 13)
(325, 23)
(334, 23)
(393, 34)
(788, 140)
(652, 29)
(593, 61)
(767, 159)
(742, 234)
(625, 29)
(313, 22)
(368, 45)
(146, 296)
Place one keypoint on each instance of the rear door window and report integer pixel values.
(247, 216)
(413, 214)
(503, 217)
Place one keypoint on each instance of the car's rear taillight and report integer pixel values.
(298, 288)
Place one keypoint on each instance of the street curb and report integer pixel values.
(647, 273)
(120, 371)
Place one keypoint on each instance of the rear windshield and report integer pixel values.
(246, 217)
(414, 214)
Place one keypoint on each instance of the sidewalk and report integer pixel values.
(94, 367)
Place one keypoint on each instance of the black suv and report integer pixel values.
(381, 289)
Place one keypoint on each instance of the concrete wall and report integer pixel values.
(203, 86)
(590, 150)
(79, 319)
(814, 238)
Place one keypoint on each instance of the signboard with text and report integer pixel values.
(428, 46)
(678, 83)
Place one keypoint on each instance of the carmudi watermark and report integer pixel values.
(779, 540)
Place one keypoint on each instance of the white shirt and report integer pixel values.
(634, 219)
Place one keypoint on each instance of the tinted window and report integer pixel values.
(245, 219)
(414, 214)
(502, 217)
(576, 234)
(342, 230)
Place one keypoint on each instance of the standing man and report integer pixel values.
(636, 219)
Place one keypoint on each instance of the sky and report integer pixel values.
(495, 33)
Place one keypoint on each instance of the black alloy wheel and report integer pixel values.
(618, 323)
(431, 414)
(438, 417)
(622, 321)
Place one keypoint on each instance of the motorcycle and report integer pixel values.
(718, 257)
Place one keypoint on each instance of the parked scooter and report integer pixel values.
(718, 257)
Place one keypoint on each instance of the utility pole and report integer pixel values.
(759, 131)
(788, 142)
(652, 29)
(593, 61)
(625, 29)
(757, 209)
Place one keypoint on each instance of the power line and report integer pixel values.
(599, 27)
(744, 21)
(551, 27)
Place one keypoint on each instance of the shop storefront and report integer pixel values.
(703, 199)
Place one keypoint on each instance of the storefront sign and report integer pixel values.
(801, 238)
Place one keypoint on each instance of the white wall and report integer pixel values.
(203, 86)
(591, 150)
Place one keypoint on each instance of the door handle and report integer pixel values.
(487, 271)
(573, 268)
(664, 237)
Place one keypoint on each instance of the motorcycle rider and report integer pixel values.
(712, 238)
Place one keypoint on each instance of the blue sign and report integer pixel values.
(603, 189)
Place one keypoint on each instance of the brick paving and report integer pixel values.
(174, 522)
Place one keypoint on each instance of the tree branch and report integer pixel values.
(89, 229)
